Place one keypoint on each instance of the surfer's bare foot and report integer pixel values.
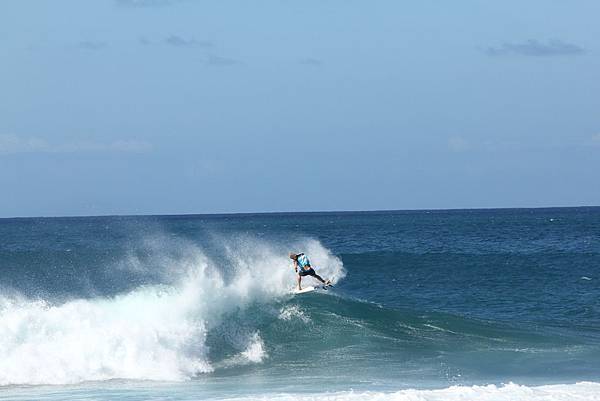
(328, 282)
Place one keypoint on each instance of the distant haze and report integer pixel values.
(158, 106)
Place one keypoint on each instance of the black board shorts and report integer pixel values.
(309, 272)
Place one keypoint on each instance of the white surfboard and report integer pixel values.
(309, 288)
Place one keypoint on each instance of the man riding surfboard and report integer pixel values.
(303, 268)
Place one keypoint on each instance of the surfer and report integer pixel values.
(303, 268)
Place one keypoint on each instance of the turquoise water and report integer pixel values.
(200, 307)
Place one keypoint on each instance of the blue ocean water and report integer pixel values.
(430, 304)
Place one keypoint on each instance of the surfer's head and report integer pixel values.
(293, 256)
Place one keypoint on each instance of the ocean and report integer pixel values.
(494, 304)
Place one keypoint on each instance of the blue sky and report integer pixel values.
(157, 106)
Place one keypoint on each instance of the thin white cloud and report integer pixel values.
(15, 144)
(458, 144)
(11, 144)
(596, 139)
(92, 45)
(178, 41)
(314, 62)
(130, 145)
(221, 61)
(536, 48)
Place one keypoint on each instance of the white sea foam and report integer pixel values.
(154, 332)
(293, 312)
(584, 391)
(255, 352)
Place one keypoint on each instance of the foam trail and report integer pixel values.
(584, 391)
(155, 332)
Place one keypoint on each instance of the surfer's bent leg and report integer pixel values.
(299, 282)
(315, 275)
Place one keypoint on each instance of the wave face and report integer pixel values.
(422, 300)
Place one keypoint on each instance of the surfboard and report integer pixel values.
(309, 288)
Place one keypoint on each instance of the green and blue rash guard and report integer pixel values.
(303, 263)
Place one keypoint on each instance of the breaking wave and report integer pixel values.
(156, 331)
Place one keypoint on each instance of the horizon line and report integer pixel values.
(77, 216)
